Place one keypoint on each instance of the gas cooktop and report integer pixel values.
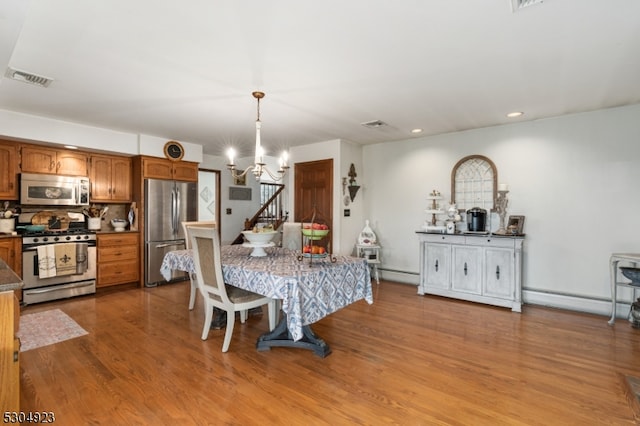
(58, 236)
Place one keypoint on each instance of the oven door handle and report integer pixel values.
(58, 287)
(36, 248)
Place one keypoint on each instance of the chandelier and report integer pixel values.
(258, 167)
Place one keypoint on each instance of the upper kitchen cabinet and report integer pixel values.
(110, 178)
(158, 168)
(8, 171)
(37, 159)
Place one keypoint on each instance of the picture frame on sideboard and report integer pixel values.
(515, 225)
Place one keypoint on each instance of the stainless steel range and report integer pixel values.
(58, 264)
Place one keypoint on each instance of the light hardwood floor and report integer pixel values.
(406, 359)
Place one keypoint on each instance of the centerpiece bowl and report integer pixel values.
(258, 241)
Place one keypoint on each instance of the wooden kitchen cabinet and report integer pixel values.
(11, 253)
(478, 268)
(110, 178)
(118, 259)
(159, 168)
(9, 353)
(8, 171)
(38, 159)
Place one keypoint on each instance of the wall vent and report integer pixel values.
(375, 124)
(27, 77)
(516, 5)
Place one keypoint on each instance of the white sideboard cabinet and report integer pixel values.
(474, 267)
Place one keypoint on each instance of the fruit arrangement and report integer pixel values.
(309, 249)
(315, 231)
(266, 228)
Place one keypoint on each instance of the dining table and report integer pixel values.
(310, 288)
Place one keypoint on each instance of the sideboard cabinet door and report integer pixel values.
(437, 264)
(498, 278)
(467, 266)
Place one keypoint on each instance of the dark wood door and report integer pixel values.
(314, 188)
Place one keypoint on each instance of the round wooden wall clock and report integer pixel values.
(173, 150)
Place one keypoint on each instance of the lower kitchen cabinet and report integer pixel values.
(9, 353)
(118, 258)
(11, 253)
(478, 268)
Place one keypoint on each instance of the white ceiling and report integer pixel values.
(185, 70)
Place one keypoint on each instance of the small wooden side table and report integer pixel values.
(372, 254)
(613, 267)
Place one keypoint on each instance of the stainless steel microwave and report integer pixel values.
(53, 190)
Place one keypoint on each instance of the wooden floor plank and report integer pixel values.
(406, 359)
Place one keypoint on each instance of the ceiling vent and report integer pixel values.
(27, 77)
(516, 5)
(375, 124)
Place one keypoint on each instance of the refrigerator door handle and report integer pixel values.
(178, 210)
(165, 245)
(173, 211)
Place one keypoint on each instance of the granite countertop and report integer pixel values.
(3, 235)
(111, 231)
(9, 281)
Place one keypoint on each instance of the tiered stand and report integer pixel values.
(315, 238)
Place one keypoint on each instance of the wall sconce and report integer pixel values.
(353, 188)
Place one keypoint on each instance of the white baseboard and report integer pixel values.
(575, 303)
(535, 297)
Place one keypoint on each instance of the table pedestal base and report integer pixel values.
(280, 336)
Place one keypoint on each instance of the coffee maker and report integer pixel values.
(476, 219)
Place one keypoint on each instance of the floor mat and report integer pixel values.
(46, 328)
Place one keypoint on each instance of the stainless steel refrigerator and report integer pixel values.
(167, 204)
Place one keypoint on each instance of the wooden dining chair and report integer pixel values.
(187, 243)
(206, 255)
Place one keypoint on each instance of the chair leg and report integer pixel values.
(208, 317)
(194, 292)
(231, 319)
(243, 315)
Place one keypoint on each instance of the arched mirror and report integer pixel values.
(474, 183)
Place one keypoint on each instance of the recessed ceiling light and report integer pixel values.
(515, 114)
(416, 130)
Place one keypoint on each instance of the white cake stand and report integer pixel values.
(258, 248)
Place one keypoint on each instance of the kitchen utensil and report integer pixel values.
(104, 211)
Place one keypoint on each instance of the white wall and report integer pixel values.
(575, 178)
(14, 125)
